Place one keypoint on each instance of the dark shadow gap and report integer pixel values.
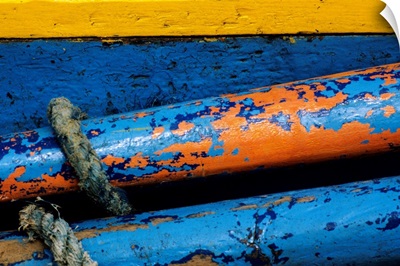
(77, 207)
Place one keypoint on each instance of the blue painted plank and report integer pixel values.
(350, 224)
(120, 77)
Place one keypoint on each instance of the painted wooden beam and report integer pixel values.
(110, 18)
(351, 224)
(338, 116)
(112, 76)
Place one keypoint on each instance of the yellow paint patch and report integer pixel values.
(14, 251)
(201, 214)
(278, 202)
(112, 18)
(199, 260)
(245, 207)
(157, 221)
(305, 199)
(90, 233)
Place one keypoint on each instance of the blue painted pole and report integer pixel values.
(344, 115)
(350, 224)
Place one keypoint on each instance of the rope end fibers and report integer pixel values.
(56, 233)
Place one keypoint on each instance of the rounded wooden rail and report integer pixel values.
(351, 224)
(344, 115)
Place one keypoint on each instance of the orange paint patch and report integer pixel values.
(137, 161)
(157, 132)
(389, 110)
(94, 133)
(305, 199)
(183, 128)
(141, 115)
(12, 189)
(343, 81)
(369, 113)
(387, 96)
(388, 78)
(278, 202)
(369, 96)
(110, 160)
(18, 172)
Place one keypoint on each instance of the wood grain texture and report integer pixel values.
(102, 18)
(105, 78)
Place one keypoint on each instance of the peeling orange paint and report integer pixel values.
(110, 160)
(278, 202)
(157, 132)
(94, 132)
(137, 161)
(183, 127)
(388, 78)
(369, 96)
(389, 110)
(261, 139)
(387, 95)
(42, 185)
(369, 113)
(343, 81)
(305, 199)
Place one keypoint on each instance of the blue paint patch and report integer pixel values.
(393, 221)
(356, 108)
(328, 93)
(235, 151)
(260, 218)
(276, 253)
(330, 226)
(365, 141)
(202, 253)
(281, 120)
(287, 235)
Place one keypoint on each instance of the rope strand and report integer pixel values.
(65, 119)
(56, 233)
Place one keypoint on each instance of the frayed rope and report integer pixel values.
(56, 233)
(65, 120)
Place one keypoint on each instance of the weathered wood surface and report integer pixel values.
(115, 77)
(110, 18)
(351, 224)
(339, 116)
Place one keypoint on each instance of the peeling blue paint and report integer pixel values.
(105, 80)
(308, 233)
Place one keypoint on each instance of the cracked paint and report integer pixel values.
(260, 230)
(347, 114)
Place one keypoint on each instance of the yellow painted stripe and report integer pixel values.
(110, 18)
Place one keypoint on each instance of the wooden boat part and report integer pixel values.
(344, 115)
(350, 224)
(110, 18)
(106, 77)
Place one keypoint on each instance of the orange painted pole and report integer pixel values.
(343, 115)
